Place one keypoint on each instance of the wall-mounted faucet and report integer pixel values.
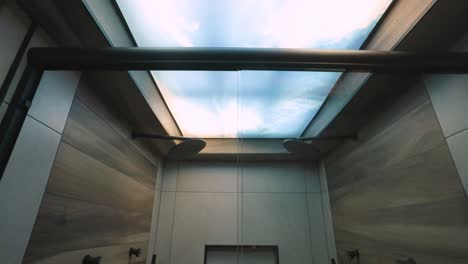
(353, 254)
(91, 260)
(134, 252)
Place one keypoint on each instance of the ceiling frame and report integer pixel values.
(43, 59)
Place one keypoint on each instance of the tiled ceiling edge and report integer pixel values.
(111, 25)
(399, 21)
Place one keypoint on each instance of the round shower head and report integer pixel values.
(300, 147)
(186, 149)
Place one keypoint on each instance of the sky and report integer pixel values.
(254, 104)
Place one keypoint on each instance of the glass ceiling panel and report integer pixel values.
(253, 104)
(260, 104)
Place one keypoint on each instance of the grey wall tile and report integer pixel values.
(207, 177)
(169, 179)
(13, 28)
(165, 228)
(154, 226)
(159, 174)
(449, 96)
(273, 177)
(205, 215)
(327, 214)
(312, 178)
(54, 97)
(458, 145)
(278, 219)
(155, 214)
(318, 234)
(200, 219)
(23, 185)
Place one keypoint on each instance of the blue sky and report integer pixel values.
(259, 104)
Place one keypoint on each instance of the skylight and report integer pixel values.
(257, 104)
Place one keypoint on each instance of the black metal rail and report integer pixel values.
(246, 59)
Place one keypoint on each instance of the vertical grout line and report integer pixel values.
(159, 172)
(324, 219)
(309, 217)
(173, 212)
(326, 208)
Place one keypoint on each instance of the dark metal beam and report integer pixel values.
(222, 59)
(16, 62)
(156, 136)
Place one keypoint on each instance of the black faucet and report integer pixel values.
(91, 260)
(134, 252)
(354, 254)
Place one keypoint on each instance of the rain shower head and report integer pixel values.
(303, 146)
(300, 147)
(187, 148)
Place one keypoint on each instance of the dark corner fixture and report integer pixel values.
(134, 252)
(354, 254)
(303, 146)
(187, 148)
(91, 260)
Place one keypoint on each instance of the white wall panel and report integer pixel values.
(155, 215)
(272, 207)
(273, 177)
(54, 97)
(327, 214)
(458, 145)
(207, 177)
(23, 185)
(312, 179)
(28, 169)
(169, 182)
(201, 219)
(449, 96)
(165, 228)
(318, 234)
(278, 219)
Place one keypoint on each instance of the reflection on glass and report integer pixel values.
(272, 104)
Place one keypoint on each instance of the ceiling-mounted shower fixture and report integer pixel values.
(188, 147)
(303, 146)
